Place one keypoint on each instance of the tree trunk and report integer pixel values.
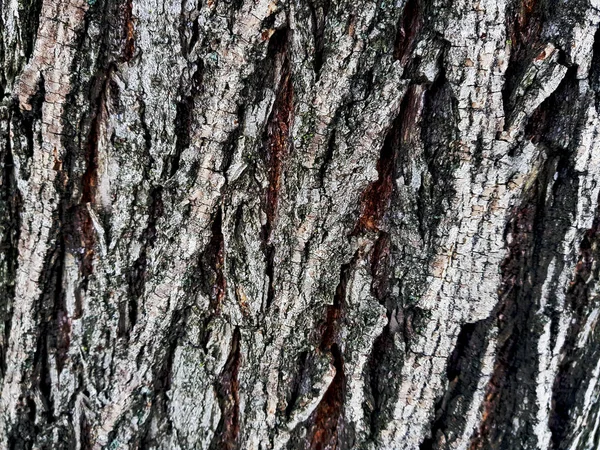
(309, 224)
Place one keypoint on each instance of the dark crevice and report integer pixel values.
(535, 231)
(381, 361)
(183, 121)
(216, 253)
(84, 227)
(385, 356)
(463, 371)
(162, 375)
(10, 221)
(195, 35)
(147, 134)
(211, 267)
(512, 316)
(128, 31)
(277, 133)
(328, 156)
(183, 126)
(439, 126)
(319, 10)
(453, 367)
(594, 76)
(573, 371)
(230, 145)
(211, 278)
(138, 273)
(525, 20)
(85, 432)
(297, 383)
(29, 13)
(276, 147)
(25, 121)
(227, 433)
(331, 145)
(326, 425)
(409, 25)
(270, 272)
(381, 267)
(375, 200)
(541, 126)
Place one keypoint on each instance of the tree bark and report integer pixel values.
(309, 224)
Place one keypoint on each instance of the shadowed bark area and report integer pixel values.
(299, 225)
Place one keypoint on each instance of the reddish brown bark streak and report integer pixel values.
(409, 26)
(328, 419)
(129, 30)
(375, 200)
(278, 135)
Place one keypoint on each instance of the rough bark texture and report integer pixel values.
(306, 224)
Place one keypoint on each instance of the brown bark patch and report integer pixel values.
(327, 422)
(89, 179)
(278, 137)
(277, 146)
(129, 32)
(376, 199)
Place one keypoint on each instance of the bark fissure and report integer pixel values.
(227, 434)
(408, 29)
(570, 378)
(327, 423)
(277, 147)
(138, 274)
(319, 10)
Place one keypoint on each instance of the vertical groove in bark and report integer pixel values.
(277, 146)
(89, 180)
(531, 245)
(463, 371)
(524, 30)
(510, 316)
(227, 434)
(326, 425)
(30, 11)
(10, 200)
(409, 26)
(572, 370)
(594, 75)
(216, 253)
(184, 116)
(138, 274)
(375, 203)
(319, 10)
(128, 31)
